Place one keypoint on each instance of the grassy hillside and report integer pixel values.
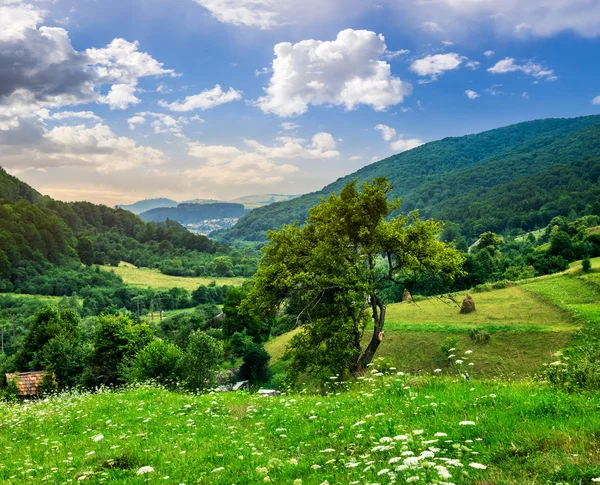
(526, 325)
(383, 429)
(482, 181)
(153, 278)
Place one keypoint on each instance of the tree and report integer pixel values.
(201, 361)
(85, 250)
(158, 360)
(240, 318)
(256, 364)
(337, 267)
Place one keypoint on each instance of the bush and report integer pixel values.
(201, 361)
(256, 364)
(578, 368)
(586, 265)
(484, 287)
(159, 361)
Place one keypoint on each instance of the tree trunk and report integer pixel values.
(378, 323)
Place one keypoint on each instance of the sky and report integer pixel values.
(113, 102)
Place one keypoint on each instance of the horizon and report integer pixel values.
(125, 102)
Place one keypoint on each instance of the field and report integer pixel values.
(383, 429)
(526, 323)
(155, 279)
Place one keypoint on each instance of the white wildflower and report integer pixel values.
(467, 423)
(479, 466)
(145, 469)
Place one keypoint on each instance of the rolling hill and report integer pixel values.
(516, 177)
(191, 213)
(147, 204)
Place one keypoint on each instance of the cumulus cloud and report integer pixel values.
(322, 146)
(228, 165)
(531, 69)
(96, 147)
(387, 133)
(400, 144)
(435, 65)
(40, 69)
(488, 53)
(355, 157)
(209, 98)
(136, 120)
(472, 94)
(62, 115)
(347, 71)
(596, 100)
(263, 14)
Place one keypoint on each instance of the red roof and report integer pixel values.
(28, 383)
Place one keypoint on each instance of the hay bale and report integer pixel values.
(406, 295)
(468, 305)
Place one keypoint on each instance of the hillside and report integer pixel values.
(192, 213)
(525, 324)
(260, 200)
(517, 177)
(148, 204)
(43, 242)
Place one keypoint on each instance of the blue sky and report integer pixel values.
(114, 101)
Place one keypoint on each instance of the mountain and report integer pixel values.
(512, 178)
(148, 204)
(43, 242)
(192, 213)
(260, 200)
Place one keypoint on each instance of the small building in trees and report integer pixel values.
(28, 383)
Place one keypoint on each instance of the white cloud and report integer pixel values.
(209, 98)
(355, 157)
(136, 120)
(289, 126)
(345, 72)
(401, 144)
(541, 18)
(227, 165)
(322, 147)
(40, 69)
(488, 53)
(249, 13)
(61, 115)
(437, 64)
(531, 69)
(387, 133)
(121, 96)
(596, 100)
(96, 148)
(472, 94)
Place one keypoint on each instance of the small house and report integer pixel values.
(28, 383)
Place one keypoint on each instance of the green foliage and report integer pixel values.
(586, 265)
(240, 318)
(85, 250)
(255, 367)
(480, 336)
(333, 270)
(159, 361)
(519, 176)
(201, 361)
(116, 341)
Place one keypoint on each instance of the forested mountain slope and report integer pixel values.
(190, 213)
(148, 204)
(472, 179)
(43, 242)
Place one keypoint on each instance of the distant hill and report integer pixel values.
(254, 201)
(192, 213)
(516, 177)
(148, 204)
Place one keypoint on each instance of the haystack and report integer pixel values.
(406, 295)
(468, 305)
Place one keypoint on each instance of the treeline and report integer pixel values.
(192, 349)
(38, 235)
(499, 180)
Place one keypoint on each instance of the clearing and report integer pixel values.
(153, 278)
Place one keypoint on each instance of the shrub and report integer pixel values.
(256, 364)
(578, 368)
(586, 265)
(485, 287)
(159, 360)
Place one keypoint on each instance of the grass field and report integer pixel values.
(527, 324)
(155, 279)
(384, 429)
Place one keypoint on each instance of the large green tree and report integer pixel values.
(334, 270)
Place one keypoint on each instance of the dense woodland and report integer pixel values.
(508, 180)
(48, 246)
